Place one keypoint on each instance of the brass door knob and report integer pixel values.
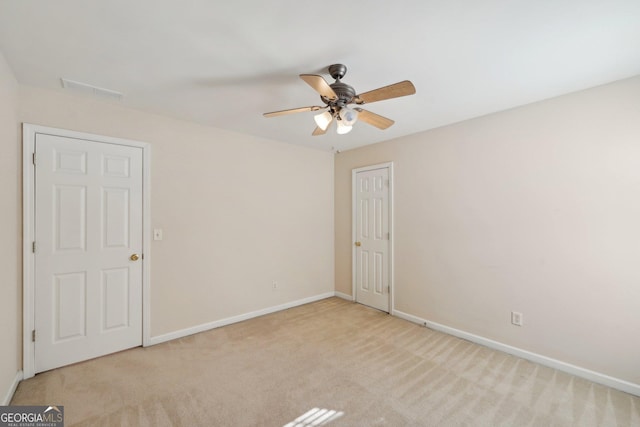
(358, 244)
(134, 257)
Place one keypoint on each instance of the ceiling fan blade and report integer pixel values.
(320, 85)
(293, 110)
(396, 90)
(374, 119)
(318, 131)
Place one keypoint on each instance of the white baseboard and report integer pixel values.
(343, 296)
(12, 389)
(410, 317)
(596, 377)
(234, 319)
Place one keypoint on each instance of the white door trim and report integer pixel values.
(386, 165)
(29, 132)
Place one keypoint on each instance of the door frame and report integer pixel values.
(354, 172)
(29, 132)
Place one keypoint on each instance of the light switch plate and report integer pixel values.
(516, 318)
(157, 234)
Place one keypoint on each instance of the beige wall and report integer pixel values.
(10, 231)
(238, 212)
(536, 210)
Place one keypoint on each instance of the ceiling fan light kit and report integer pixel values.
(348, 116)
(342, 128)
(337, 96)
(323, 120)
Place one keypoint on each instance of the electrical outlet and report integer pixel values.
(516, 318)
(275, 285)
(157, 234)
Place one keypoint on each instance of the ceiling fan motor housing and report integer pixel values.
(344, 91)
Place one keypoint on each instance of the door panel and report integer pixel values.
(115, 298)
(116, 218)
(372, 232)
(88, 222)
(70, 306)
(69, 213)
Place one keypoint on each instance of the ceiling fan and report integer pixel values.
(338, 96)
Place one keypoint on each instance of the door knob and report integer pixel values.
(358, 244)
(134, 257)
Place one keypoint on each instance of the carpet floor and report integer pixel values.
(331, 363)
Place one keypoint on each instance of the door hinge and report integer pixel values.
(33, 247)
(388, 289)
(388, 236)
(33, 158)
(33, 336)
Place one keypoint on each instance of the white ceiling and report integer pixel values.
(224, 63)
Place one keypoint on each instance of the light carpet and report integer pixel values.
(331, 363)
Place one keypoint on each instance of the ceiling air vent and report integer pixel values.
(91, 90)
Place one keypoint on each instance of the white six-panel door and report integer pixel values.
(372, 270)
(88, 227)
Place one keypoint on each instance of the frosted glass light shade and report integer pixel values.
(323, 120)
(349, 116)
(342, 128)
